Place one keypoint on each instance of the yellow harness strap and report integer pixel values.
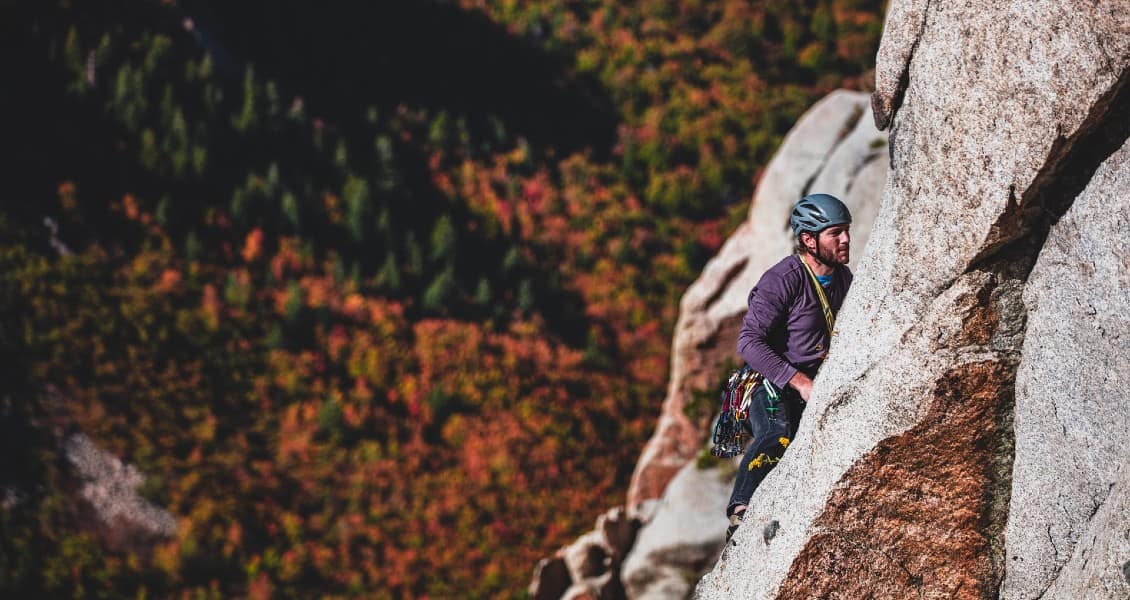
(829, 318)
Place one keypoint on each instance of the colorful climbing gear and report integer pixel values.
(730, 431)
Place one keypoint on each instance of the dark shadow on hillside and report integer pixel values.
(60, 137)
(344, 56)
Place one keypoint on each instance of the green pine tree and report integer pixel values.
(341, 155)
(238, 205)
(235, 293)
(415, 259)
(443, 239)
(291, 210)
(356, 206)
(526, 298)
(193, 249)
(389, 275)
(293, 306)
(511, 260)
(75, 62)
(271, 91)
(248, 117)
(161, 213)
(483, 295)
(440, 290)
(272, 181)
(437, 133)
(384, 222)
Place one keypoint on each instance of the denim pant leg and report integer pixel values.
(772, 431)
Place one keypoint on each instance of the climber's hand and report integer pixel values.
(802, 384)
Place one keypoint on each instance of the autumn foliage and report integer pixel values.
(366, 346)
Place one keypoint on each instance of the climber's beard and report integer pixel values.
(832, 250)
(833, 254)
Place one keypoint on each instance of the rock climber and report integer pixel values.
(785, 336)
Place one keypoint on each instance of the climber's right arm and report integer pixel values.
(765, 317)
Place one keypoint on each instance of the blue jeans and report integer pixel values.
(772, 425)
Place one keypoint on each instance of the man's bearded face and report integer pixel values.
(832, 245)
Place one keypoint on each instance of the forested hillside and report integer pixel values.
(377, 295)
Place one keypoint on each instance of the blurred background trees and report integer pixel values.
(378, 297)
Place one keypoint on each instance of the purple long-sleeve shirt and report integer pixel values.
(784, 329)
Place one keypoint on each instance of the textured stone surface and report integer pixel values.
(581, 591)
(551, 579)
(590, 566)
(1073, 385)
(619, 531)
(683, 538)
(110, 486)
(854, 172)
(899, 496)
(997, 112)
(588, 557)
(833, 148)
(906, 474)
(1100, 564)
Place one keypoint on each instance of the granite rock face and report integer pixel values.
(930, 422)
(1072, 393)
(1099, 567)
(834, 148)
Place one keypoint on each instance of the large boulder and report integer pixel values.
(834, 148)
(685, 535)
(590, 566)
(932, 414)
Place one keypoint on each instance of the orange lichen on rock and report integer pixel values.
(915, 517)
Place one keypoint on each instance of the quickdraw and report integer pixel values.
(729, 430)
(771, 400)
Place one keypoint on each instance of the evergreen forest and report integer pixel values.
(378, 296)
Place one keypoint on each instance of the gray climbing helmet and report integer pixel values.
(817, 212)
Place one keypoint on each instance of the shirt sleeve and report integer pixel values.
(768, 308)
